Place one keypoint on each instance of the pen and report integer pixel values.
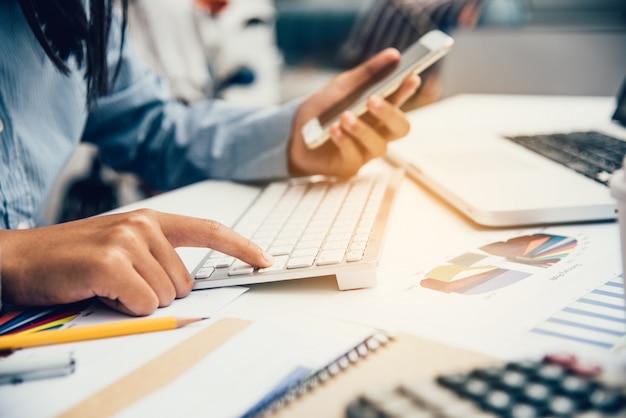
(41, 365)
(91, 332)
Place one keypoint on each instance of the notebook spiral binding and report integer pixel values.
(308, 383)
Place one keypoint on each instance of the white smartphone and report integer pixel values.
(415, 59)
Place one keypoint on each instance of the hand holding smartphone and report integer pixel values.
(415, 59)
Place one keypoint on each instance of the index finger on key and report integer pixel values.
(183, 231)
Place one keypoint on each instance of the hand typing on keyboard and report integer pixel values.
(320, 228)
(127, 260)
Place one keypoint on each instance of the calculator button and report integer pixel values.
(475, 389)
(360, 409)
(493, 373)
(576, 386)
(513, 381)
(607, 400)
(399, 406)
(429, 394)
(528, 367)
(562, 406)
(551, 374)
(537, 393)
(454, 381)
(462, 409)
(377, 396)
(523, 410)
(498, 401)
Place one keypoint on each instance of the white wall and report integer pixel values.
(535, 60)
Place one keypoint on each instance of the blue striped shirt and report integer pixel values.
(138, 127)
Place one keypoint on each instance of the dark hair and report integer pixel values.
(65, 29)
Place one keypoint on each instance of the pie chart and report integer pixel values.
(489, 267)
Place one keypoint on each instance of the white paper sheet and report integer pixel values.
(102, 362)
(236, 376)
(199, 303)
(529, 314)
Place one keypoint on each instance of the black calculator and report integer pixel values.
(554, 386)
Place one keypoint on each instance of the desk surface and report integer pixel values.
(422, 228)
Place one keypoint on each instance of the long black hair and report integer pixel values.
(65, 29)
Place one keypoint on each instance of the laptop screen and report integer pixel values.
(620, 112)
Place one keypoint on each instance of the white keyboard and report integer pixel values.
(312, 227)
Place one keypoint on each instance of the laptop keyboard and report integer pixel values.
(312, 227)
(590, 153)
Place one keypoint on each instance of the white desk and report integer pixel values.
(422, 229)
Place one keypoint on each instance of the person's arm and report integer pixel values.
(140, 128)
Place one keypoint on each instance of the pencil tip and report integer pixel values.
(181, 322)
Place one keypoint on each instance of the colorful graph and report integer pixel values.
(483, 271)
(541, 250)
(597, 319)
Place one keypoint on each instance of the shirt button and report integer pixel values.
(23, 225)
(1, 126)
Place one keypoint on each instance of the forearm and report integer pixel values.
(169, 144)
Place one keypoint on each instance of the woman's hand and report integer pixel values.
(354, 141)
(127, 260)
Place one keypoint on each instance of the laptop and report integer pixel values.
(462, 148)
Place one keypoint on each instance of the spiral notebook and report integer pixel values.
(292, 389)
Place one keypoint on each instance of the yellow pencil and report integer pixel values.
(92, 332)
(48, 325)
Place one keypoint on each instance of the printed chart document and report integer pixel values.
(517, 293)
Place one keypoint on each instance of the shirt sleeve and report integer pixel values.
(140, 128)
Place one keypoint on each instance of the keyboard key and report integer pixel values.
(281, 250)
(239, 267)
(590, 153)
(299, 262)
(205, 272)
(353, 256)
(330, 257)
(279, 264)
(304, 252)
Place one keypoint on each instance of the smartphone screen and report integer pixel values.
(399, 70)
(419, 56)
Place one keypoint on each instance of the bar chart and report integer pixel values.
(597, 319)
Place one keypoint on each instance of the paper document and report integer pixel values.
(200, 303)
(539, 290)
(244, 370)
(102, 362)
